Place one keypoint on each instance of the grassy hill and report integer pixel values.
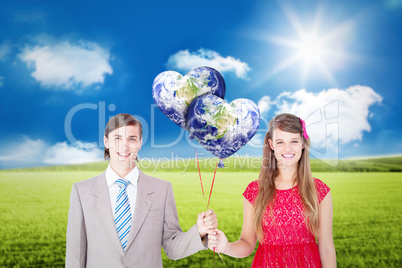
(236, 164)
(366, 225)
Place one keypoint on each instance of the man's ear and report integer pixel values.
(271, 145)
(106, 142)
(140, 144)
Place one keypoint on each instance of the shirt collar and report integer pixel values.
(112, 177)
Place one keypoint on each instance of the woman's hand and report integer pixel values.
(242, 247)
(218, 242)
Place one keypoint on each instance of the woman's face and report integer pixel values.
(123, 144)
(287, 147)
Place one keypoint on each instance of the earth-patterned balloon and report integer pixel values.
(173, 93)
(222, 128)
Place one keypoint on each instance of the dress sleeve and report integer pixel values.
(322, 189)
(251, 192)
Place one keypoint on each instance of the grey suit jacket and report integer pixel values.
(92, 239)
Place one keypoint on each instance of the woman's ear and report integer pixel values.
(271, 145)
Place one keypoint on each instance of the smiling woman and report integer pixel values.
(287, 209)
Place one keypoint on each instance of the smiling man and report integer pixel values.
(122, 217)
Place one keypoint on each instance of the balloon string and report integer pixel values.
(214, 257)
(209, 199)
(199, 171)
(219, 257)
(212, 186)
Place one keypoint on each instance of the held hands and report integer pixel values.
(207, 222)
(218, 242)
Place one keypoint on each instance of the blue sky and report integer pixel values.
(66, 67)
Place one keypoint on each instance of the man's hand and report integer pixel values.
(207, 222)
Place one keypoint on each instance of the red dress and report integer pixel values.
(287, 240)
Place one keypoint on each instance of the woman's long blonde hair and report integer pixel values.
(269, 171)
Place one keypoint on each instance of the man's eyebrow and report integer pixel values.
(131, 136)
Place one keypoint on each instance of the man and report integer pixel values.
(122, 217)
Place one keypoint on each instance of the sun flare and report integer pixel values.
(316, 50)
(311, 49)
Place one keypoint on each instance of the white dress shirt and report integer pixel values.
(132, 177)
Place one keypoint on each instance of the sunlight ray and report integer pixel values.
(317, 51)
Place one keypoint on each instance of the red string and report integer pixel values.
(219, 256)
(214, 257)
(199, 171)
(210, 193)
(212, 186)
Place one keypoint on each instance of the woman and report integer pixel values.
(286, 209)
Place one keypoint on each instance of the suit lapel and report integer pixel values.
(104, 211)
(142, 206)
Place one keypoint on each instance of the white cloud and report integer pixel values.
(28, 150)
(265, 104)
(62, 153)
(65, 65)
(331, 115)
(1, 81)
(186, 61)
(5, 49)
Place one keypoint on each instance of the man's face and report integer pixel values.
(123, 144)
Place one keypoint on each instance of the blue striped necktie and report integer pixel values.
(122, 213)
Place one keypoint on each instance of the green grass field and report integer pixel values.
(367, 215)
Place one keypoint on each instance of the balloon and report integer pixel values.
(222, 128)
(173, 93)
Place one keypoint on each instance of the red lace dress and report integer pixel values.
(287, 240)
